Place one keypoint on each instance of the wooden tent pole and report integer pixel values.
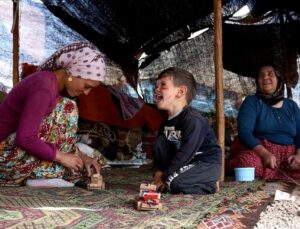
(15, 32)
(286, 64)
(219, 82)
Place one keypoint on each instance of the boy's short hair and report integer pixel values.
(181, 77)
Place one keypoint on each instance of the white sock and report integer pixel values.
(49, 183)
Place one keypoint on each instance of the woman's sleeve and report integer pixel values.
(35, 109)
(246, 122)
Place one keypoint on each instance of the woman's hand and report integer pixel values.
(268, 159)
(69, 160)
(293, 162)
(90, 163)
(158, 180)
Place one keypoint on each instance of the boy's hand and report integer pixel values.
(158, 180)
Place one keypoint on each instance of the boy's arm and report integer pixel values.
(193, 134)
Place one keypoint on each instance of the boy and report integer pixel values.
(187, 158)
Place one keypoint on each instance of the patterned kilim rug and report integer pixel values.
(27, 207)
(242, 212)
(257, 210)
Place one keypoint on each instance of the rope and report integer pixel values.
(290, 178)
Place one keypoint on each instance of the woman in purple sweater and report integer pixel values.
(269, 131)
(38, 120)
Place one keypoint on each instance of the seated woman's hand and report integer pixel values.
(293, 162)
(69, 160)
(90, 163)
(269, 160)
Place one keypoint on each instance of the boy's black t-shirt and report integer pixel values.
(193, 137)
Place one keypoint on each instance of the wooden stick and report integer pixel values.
(16, 42)
(219, 80)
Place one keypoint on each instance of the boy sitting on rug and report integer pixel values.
(187, 158)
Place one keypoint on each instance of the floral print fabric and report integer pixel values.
(59, 127)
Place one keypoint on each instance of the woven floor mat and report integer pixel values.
(28, 207)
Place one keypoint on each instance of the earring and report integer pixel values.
(70, 79)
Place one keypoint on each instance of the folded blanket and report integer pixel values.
(101, 105)
(129, 106)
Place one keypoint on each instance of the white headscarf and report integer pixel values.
(80, 59)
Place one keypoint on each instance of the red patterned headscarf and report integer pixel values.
(80, 59)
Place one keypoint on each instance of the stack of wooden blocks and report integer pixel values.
(149, 198)
(96, 182)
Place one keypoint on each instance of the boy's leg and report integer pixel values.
(197, 178)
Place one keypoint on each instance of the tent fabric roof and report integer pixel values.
(243, 53)
(125, 29)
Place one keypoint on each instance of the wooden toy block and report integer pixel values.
(150, 195)
(96, 182)
(147, 206)
(96, 179)
(148, 198)
(149, 187)
(146, 188)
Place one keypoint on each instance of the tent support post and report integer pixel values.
(286, 59)
(219, 84)
(15, 32)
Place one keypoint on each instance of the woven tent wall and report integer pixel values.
(41, 34)
(196, 56)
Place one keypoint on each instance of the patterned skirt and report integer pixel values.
(244, 157)
(59, 127)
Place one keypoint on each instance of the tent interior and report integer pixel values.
(140, 39)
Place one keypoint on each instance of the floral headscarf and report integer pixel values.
(80, 59)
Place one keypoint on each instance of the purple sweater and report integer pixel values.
(23, 110)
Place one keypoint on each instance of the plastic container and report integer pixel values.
(244, 174)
